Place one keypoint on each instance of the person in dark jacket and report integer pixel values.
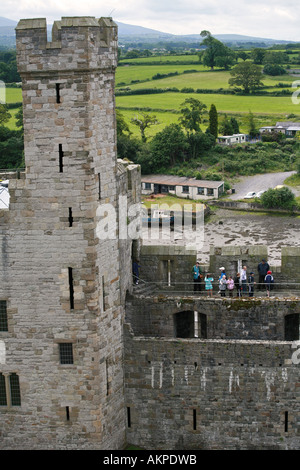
(238, 285)
(251, 283)
(262, 269)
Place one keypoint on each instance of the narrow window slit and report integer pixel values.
(67, 413)
(103, 294)
(286, 421)
(99, 186)
(107, 380)
(57, 92)
(128, 417)
(71, 288)
(194, 420)
(61, 157)
(70, 217)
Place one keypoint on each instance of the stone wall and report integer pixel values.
(167, 266)
(259, 319)
(60, 279)
(286, 275)
(211, 394)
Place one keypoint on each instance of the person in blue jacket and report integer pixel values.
(197, 276)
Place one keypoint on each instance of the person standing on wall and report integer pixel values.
(251, 283)
(269, 282)
(262, 268)
(197, 276)
(244, 279)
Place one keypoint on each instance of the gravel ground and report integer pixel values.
(227, 227)
(242, 229)
(260, 183)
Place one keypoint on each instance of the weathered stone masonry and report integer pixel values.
(61, 282)
(211, 373)
(86, 360)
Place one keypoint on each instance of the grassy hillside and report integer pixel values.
(184, 73)
(138, 74)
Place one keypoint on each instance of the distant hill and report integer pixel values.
(7, 22)
(133, 34)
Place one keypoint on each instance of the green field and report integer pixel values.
(125, 75)
(266, 109)
(159, 59)
(224, 103)
(13, 95)
(204, 79)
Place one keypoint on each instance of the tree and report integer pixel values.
(216, 53)
(257, 55)
(252, 127)
(191, 114)
(4, 114)
(168, 146)
(235, 125)
(227, 59)
(191, 118)
(243, 55)
(122, 126)
(273, 58)
(11, 148)
(247, 75)
(213, 121)
(226, 126)
(274, 70)
(144, 122)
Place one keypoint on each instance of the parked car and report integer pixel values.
(250, 195)
(259, 194)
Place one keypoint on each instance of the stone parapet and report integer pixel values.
(78, 43)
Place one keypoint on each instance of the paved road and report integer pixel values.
(259, 183)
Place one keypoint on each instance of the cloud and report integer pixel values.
(265, 18)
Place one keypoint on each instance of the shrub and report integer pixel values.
(282, 198)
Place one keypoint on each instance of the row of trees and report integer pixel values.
(247, 74)
(176, 143)
(8, 67)
(216, 54)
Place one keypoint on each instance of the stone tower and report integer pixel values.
(61, 284)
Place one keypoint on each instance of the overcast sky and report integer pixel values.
(275, 19)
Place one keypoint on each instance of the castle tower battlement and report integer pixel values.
(78, 43)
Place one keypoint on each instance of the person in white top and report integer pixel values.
(244, 279)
